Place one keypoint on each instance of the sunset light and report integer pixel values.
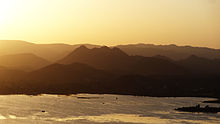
(110, 61)
(112, 22)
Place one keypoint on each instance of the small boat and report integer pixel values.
(197, 108)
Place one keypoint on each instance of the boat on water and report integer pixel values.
(197, 108)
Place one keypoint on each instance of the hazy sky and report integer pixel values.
(110, 22)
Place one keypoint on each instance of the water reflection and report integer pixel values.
(126, 109)
(116, 118)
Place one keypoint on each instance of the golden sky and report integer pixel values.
(111, 22)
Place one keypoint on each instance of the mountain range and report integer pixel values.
(172, 51)
(23, 61)
(50, 52)
(114, 59)
(200, 65)
(101, 69)
(54, 52)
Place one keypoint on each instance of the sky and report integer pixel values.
(111, 22)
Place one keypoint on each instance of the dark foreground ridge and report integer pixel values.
(197, 108)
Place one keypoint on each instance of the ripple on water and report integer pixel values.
(90, 109)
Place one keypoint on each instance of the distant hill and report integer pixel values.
(10, 75)
(68, 78)
(11, 81)
(81, 78)
(162, 57)
(66, 72)
(171, 51)
(51, 52)
(201, 65)
(25, 61)
(54, 52)
(87, 69)
(113, 59)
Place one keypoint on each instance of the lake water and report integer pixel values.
(100, 109)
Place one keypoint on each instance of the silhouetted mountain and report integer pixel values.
(65, 72)
(10, 75)
(11, 81)
(163, 57)
(201, 65)
(71, 78)
(171, 51)
(81, 78)
(54, 52)
(51, 52)
(26, 62)
(113, 59)
(58, 51)
(102, 58)
(109, 70)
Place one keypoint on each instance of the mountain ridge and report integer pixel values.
(55, 52)
(172, 51)
(23, 61)
(116, 60)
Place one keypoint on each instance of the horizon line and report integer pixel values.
(139, 43)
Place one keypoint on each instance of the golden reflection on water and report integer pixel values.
(126, 118)
(2, 117)
(118, 118)
(22, 109)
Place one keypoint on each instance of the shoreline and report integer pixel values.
(69, 94)
(213, 101)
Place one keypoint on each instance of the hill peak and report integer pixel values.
(81, 48)
(6, 42)
(23, 61)
(194, 57)
(105, 47)
(96, 56)
(99, 51)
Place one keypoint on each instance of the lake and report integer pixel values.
(101, 109)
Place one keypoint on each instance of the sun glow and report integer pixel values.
(4, 11)
(111, 22)
(8, 15)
